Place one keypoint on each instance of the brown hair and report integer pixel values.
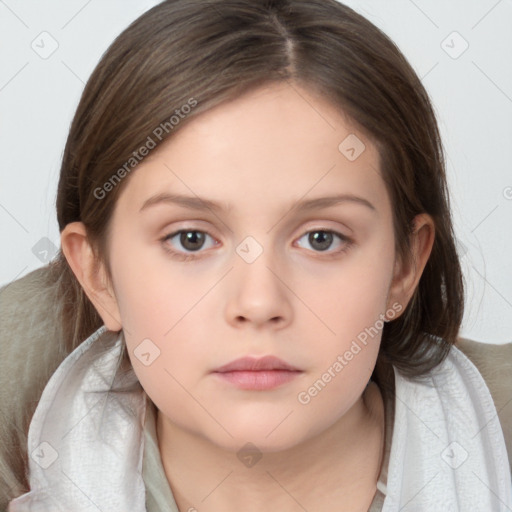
(217, 50)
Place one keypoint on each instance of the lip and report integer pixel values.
(256, 364)
(257, 374)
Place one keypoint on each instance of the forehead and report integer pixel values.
(273, 143)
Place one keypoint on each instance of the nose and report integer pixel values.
(258, 294)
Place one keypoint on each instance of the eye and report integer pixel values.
(322, 239)
(192, 240)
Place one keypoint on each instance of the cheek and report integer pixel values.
(350, 306)
(162, 313)
(152, 291)
(345, 354)
(349, 296)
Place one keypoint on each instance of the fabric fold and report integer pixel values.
(85, 442)
(448, 451)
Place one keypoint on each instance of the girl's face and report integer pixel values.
(262, 228)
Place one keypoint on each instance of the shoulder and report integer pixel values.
(29, 334)
(31, 349)
(494, 362)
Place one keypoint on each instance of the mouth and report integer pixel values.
(257, 374)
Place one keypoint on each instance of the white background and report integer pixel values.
(472, 96)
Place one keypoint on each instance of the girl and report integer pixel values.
(258, 289)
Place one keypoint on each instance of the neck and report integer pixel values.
(336, 469)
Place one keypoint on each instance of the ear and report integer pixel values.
(90, 273)
(407, 273)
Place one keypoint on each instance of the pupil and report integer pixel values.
(322, 239)
(190, 240)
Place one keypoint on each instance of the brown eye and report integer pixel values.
(186, 242)
(320, 240)
(192, 240)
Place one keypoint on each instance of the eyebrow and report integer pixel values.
(202, 204)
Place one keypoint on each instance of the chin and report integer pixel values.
(267, 434)
(247, 441)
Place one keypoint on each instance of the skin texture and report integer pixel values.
(257, 156)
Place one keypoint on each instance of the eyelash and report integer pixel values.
(348, 242)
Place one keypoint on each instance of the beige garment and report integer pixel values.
(159, 496)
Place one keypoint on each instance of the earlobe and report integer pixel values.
(90, 273)
(407, 273)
